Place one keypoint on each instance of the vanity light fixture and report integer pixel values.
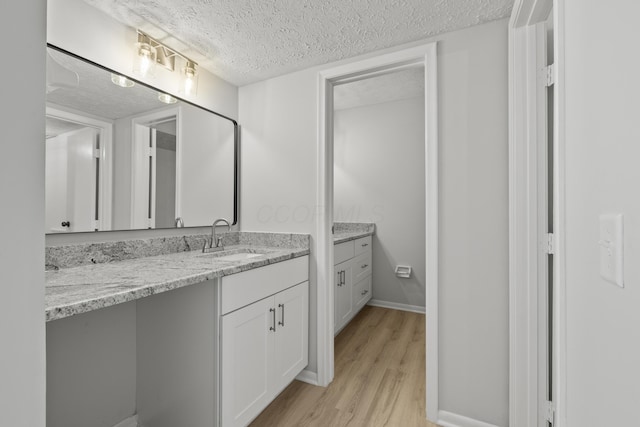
(189, 84)
(145, 56)
(150, 52)
(121, 81)
(166, 98)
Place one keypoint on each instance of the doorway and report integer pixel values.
(78, 184)
(155, 187)
(424, 56)
(379, 181)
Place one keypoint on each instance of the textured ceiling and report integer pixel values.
(375, 90)
(97, 95)
(56, 127)
(244, 41)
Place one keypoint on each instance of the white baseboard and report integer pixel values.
(308, 377)
(129, 422)
(449, 419)
(397, 306)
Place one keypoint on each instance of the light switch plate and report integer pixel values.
(611, 248)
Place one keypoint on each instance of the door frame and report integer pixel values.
(105, 184)
(423, 55)
(146, 119)
(526, 218)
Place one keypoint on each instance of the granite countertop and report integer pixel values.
(346, 231)
(84, 288)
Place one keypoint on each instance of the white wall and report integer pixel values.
(474, 259)
(279, 156)
(22, 334)
(602, 176)
(379, 176)
(91, 368)
(121, 219)
(206, 175)
(165, 183)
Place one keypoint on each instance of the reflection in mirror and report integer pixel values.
(119, 158)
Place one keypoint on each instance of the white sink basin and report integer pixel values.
(242, 256)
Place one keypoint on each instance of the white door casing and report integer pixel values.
(425, 56)
(528, 215)
(102, 136)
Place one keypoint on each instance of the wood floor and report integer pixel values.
(379, 378)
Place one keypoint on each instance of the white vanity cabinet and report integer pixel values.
(264, 337)
(217, 353)
(343, 298)
(352, 276)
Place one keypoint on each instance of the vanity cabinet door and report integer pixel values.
(291, 337)
(247, 362)
(361, 293)
(343, 304)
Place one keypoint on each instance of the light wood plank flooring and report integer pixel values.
(379, 378)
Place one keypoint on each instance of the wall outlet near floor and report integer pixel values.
(611, 248)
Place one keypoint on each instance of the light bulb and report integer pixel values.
(144, 61)
(121, 81)
(189, 84)
(166, 98)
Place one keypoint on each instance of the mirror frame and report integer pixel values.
(236, 142)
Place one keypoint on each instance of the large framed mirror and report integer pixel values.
(122, 155)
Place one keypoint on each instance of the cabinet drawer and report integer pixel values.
(342, 252)
(362, 245)
(361, 293)
(247, 287)
(361, 266)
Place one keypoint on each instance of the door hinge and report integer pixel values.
(550, 412)
(551, 243)
(95, 224)
(549, 72)
(96, 153)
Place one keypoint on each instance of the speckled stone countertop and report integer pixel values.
(345, 231)
(76, 290)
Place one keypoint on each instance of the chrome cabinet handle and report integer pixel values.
(364, 266)
(366, 291)
(365, 244)
(281, 322)
(344, 277)
(273, 328)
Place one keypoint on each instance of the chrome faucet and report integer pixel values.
(215, 240)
